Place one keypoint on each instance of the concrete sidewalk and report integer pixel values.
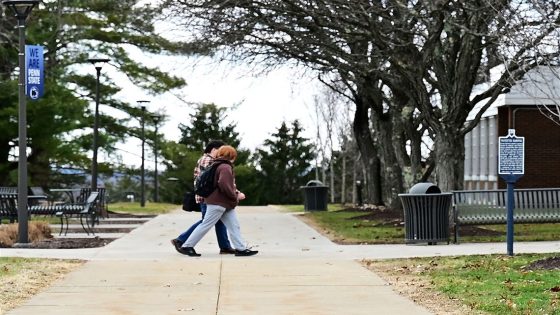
(297, 271)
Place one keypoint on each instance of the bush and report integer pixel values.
(37, 231)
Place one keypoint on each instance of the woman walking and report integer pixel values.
(221, 206)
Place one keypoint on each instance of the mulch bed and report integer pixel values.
(552, 263)
(67, 243)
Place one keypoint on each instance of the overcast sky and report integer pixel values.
(261, 102)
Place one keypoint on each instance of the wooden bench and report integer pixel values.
(85, 211)
(483, 207)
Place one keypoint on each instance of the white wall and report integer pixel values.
(481, 155)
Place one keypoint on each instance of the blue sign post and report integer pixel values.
(34, 75)
(511, 167)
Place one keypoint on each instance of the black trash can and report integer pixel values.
(315, 196)
(426, 214)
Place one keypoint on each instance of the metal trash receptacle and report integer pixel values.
(426, 214)
(315, 196)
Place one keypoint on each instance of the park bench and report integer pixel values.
(8, 207)
(101, 200)
(85, 211)
(8, 190)
(39, 196)
(484, 207)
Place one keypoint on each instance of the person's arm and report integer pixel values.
(226, 182)
(240, 195)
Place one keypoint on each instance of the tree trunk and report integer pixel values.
(331, 176)
(343, 183)
(415, 155)
(354, 179)
(368, 153)
(406, 127)
(450, 156)
(392, 171)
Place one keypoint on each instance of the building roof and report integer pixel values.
(540, 86)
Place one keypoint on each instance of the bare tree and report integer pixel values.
(348, 149)
(391, 55)
(441, 48)
(316, 35)
(326, 111)
(334, 114)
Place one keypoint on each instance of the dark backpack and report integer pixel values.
(204, 184)
(189, 202)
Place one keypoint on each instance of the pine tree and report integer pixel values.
(285, 163)
(208, 123)
(60, 123)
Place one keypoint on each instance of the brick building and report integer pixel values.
(519, 110)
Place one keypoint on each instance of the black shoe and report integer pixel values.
(227, 251)
(177, 244)
(246, 252)
(189, 251)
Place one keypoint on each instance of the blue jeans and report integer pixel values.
(221, 231)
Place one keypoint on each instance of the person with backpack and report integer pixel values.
(221, 231)
(220, 205)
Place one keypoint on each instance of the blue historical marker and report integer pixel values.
(34, 75)
(511, 166)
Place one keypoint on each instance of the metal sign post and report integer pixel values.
(511, 167)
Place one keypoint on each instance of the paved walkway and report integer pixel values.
(297, 271)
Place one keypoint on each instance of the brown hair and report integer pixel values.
(226, 152)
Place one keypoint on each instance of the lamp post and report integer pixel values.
(98, 64)
(21, 10)
(156, 119)
(142, 182)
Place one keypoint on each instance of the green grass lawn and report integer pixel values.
(495, 284)
(346, 226)
(300, 208)
(151, 208)
(357, 226)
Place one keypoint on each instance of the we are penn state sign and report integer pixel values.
(34, 76)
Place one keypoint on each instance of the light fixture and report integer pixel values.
(98, 64)
(156, 119)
